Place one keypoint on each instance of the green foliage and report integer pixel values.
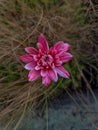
(80, 15)
(63, 83)
(75, 76)
(47, 3)
(71, 35)
(9, 73)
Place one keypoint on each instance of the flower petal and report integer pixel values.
(26, 58)
(53, 74)
(40, 47)
(44, 72)
(31, 50)
(30, 65)
(57, 61)
(37, 67)
(42, 43)
(33, 75)
(66, 46)
(46, 80)
(65, 57)
(62, 72)
(61, 46)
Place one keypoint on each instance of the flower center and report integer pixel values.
(47, 58)
(46, 61)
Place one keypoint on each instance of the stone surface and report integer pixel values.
(79, 112)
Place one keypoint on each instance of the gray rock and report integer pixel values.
(79, 112)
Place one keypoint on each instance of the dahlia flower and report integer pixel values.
(46, 62)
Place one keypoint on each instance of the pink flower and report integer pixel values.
(46, 62)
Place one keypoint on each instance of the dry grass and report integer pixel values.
(20, 26)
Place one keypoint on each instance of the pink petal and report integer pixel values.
(26, 58)
(33, 75)
(53, 75)
(62, 72)
(46, 81)
(44, 73)
(57, 61)
(52, 50)
(37, 68)
(65, 57)
(31, 50)
(61, 46)
(35, 57)
(41, 47)
(30, 65)
(66, 46)
(42, 43)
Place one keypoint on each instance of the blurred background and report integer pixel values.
(30, 105)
